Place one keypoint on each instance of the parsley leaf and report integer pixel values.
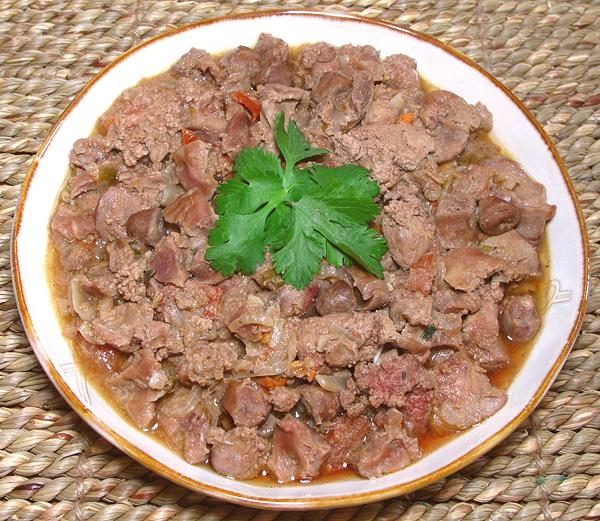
(428, 332)
(292, 144)
(301, 215)
(237, 242)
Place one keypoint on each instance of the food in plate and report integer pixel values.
(293, 263)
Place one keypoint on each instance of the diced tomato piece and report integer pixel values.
(248, 103)
(408, 117)
(187, 136)
(270, 382)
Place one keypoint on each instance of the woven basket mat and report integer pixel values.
(52, 466)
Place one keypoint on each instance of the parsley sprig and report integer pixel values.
(302, 215)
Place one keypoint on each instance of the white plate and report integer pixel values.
(514, 128)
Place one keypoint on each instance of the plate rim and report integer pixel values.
(294, 503)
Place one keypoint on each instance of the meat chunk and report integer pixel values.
(399, 381)
(343, 99)
(408, 229)
(192, 167)
(117, 326)
(120, 255)
(322, 405)
(81, 183)
(168, 263)
(298, 303)
(414, 308)
(337, 298)
(519, 318)
(276, 98)
(456, 215)
(497, 216)
(237, 133)
(240, 453)
(88, 154)
(386, 150)
(447, 300)
(451, 119)
(146, 225)
(533, 223)
(422, 274)
(246, 403)
(343, 339)
(516, 187)
(274, 54)
(116, 205)
(520, 258)
(388, 449)
(419, 339)
(464, 395)
(467, 268)
(346, 436)
(198, 64)
(201, 268)
(400, 72)
(185, 416)
(138, 386)
(284, 399)
(145, 120)
(480, 333)
(374, 292)
(192, 211)
(207, 362)
(73, 223)
(298, 451)
(456, 220)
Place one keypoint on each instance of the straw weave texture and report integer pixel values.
(53, 467)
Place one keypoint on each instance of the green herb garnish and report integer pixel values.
(428, 332)
(302, 215)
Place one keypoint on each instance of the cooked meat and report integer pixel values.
(146, 225)
(337, 298)
(343, 339)
(298, 451)
(464, 395)
(245, 372)
(284, 399)
(73, 223)
(388, 449)
(497, 216)
(467, 268)
(138, 386)
(520, 258)
(168, 263)
(239, 453)
(374, 292)
(185, 416)
(246, 403)
(387, 150)
(480, 333)
(408, 229)
(399, 381)
(321, 405)
(346, 436)
(519, 319)
(451, 119)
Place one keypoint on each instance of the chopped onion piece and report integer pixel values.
(335, 383)
(83, 304)
(267, 427)
(171, 193)
(377, 357)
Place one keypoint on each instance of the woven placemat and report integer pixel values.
(52, 466)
